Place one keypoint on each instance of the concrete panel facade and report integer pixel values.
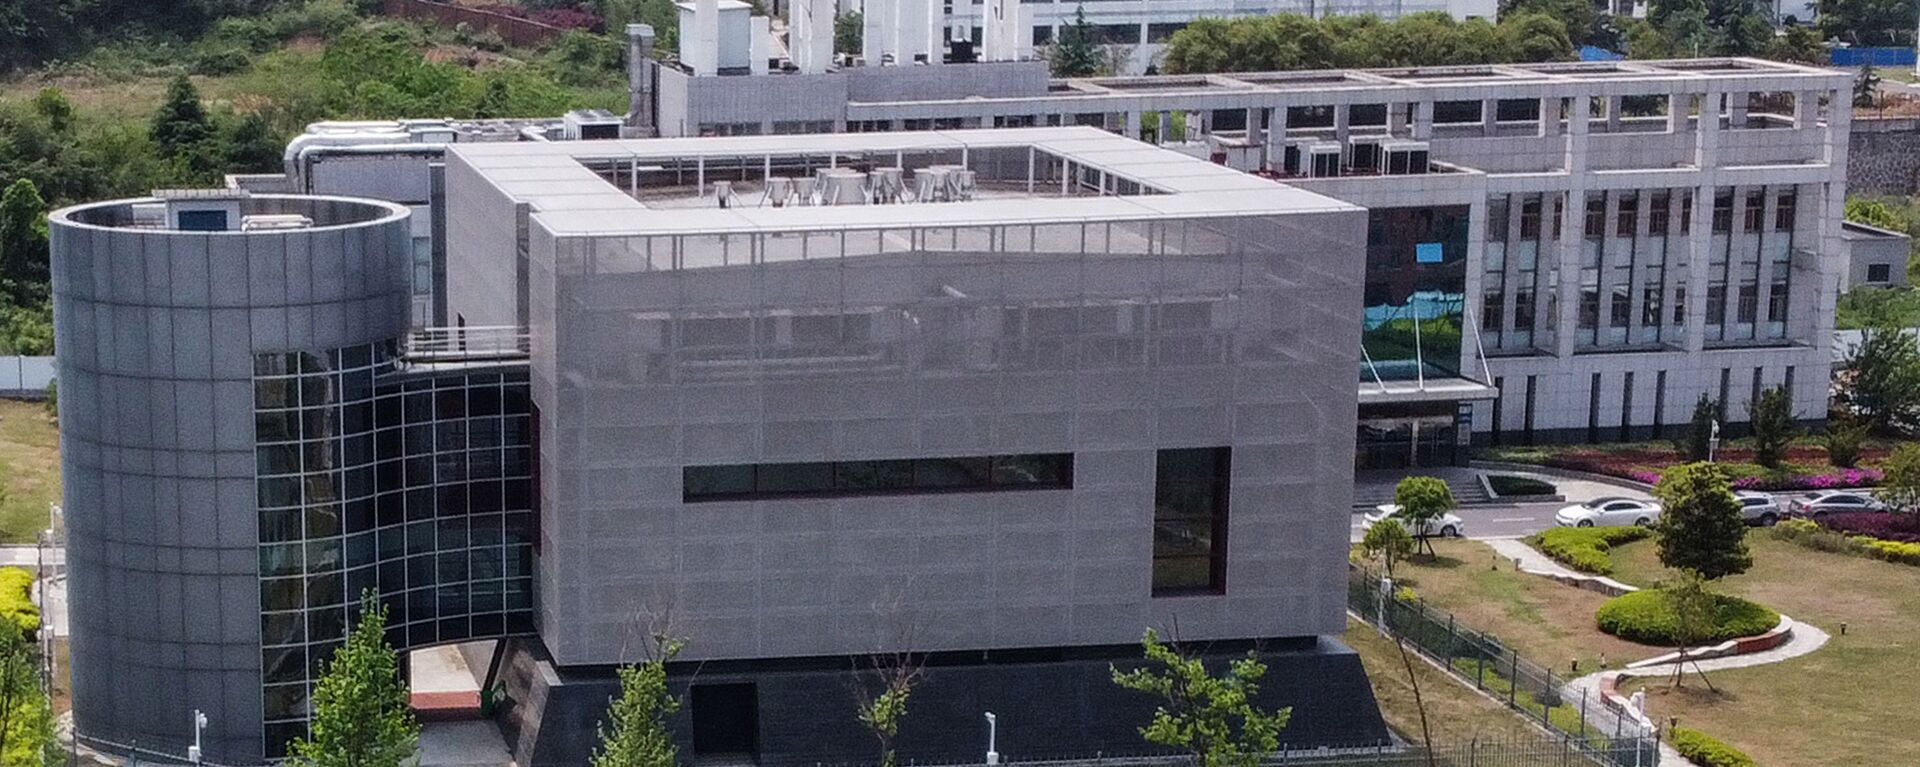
(157, 331)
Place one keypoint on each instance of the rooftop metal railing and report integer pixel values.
(467, 344)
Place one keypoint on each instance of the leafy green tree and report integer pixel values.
(1800, 44)
(495, 102)
(1077, 52)
(26, 718)
(23, 241)
(181, 123)
(361, 714)
(849, 32)
(1576, 16)
(1867, 22)
(582, 59)
(637, 736)
(1900, 486)
(1748, 34)
(52, 105)
(252, 146)
(1388, 540)
(1866, 87)
(1214, 718)
(1531, 37)
(1881, 377)
(1844, 436)
(1700, 524)
(1422, 500)
(1861, 210)
(1698, 441)
(1770, 417)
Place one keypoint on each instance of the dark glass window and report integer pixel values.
(1723, 213)
(1190, 521)
(1785, 212)
(1628, 218)
(1754, 214)
(878, 477)
(1658, 214)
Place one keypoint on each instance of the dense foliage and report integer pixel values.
(1707, 751)
(1648, 617)
(636, 735)
(1904, 528)
(1585, 548)
(1292, 41)
(1700, 524)
(16, 601)
(1770, 418)
(1389, 541)
(1700, 429)
(1508, 484)
(1213, 717)
(1880, 380)
(1900, 479)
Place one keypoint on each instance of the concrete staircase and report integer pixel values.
(1372, 488)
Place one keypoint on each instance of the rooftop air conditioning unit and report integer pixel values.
(1363, 153)
(888, 185)
(843, 186)
(1404, 158)
(589, 124)
(1323, 160)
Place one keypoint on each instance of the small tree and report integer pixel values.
(1770, 416)
(1844, 436)
(1077, 52)
(1866, 86)
(637, 735)
(1700, 527)
(23, 238)
(1200, 712)
(849, 32)
(1706, 412)
(1388, 540)
(1900, 485)
(882, 710)
(1881, 377)
(1693, 604)
(361, 713)
(1423, 500)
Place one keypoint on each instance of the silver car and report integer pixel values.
(1758, 508)
(1448, 525)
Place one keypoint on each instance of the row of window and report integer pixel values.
(1038, 471)
(1659, 215)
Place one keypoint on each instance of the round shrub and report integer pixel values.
(1706, 750)
(1646, 617)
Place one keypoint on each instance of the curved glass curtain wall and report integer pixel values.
(412, 483)
(1415, 293)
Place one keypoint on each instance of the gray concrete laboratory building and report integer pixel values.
(1003, 399)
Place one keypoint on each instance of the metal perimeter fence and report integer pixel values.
(1584, 723)
(1516, 751)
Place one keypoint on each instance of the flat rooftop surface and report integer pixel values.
(567, 182)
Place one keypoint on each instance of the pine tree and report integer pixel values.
(181, 123)
(1201, 712)
(1700, 524)
(1706, 412)
(1076, 54)
(252, 147)
(361, 713)
(1771, 419)
(637, 734)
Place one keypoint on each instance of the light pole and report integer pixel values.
(199, 723)
(993, 756)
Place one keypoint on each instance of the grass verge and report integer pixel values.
(29, 469)
(1832, 707)
(1455, 713)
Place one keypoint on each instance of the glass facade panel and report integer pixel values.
(350, 448)
(1041, 471)
(1415, 292)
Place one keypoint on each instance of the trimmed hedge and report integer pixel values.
(1820, 538)
(1585, 548)
(1646, 617)
(1508, 484)
(1707, 751)
(16, 600)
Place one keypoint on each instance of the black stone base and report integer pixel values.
(1058, 703)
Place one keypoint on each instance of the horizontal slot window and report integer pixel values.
(1034, 471)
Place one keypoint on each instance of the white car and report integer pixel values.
(1609, 512)
(1758, 508)
(1448, 525)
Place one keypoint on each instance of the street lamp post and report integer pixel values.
(199, 723)
(993, 755)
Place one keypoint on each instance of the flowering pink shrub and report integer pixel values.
(1887, 527)
(1805, 468)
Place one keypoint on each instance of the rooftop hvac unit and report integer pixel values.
(275, 222)
(803, 190)
(723, 193)
(1322, 160)
(1363, 153)
(889, 185)
(1404, 158)
(933, 184)
(960, 184)
(779, 191)
(842, 186)
(590, 124)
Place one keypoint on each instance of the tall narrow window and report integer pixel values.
(1785, 211)
(1190, 521)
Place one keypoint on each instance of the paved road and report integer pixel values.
(1495, 521)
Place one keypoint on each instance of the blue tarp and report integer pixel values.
(1879, 57)
(1591, 53)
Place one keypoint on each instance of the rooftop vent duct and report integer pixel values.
(779, 191)
(889, 185)
(842, 186)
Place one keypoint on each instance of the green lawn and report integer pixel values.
(1846, 704)
(1456, 713)
(29, 468)
(1549, 623)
